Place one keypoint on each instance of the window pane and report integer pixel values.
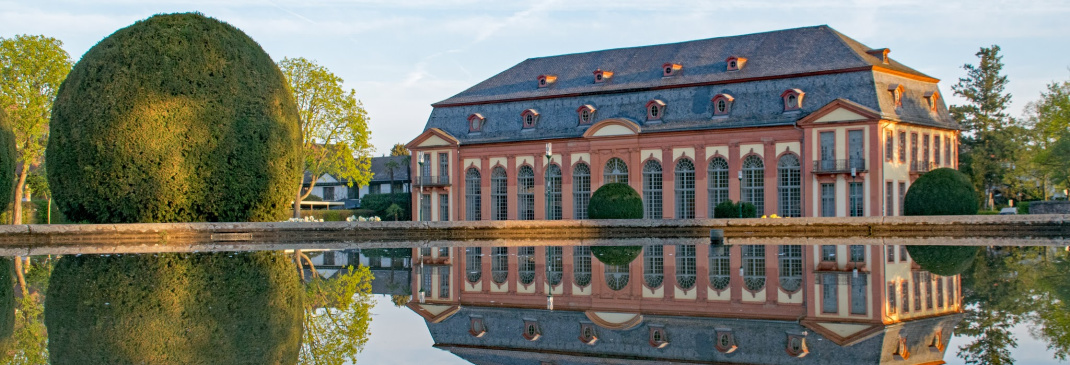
(685, 189)
(717, 181)
(581, 190)
(789, 189)
(652, 190)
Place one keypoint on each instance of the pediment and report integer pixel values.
(844, 334)
(614, 321)
(840, 111)
(433, 137)
(433, 313)
(612, 127)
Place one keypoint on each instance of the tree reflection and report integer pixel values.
(337, 317)
(24, 338)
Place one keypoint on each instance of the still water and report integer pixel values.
(671, 303)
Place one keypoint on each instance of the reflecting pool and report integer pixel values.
(681, 302)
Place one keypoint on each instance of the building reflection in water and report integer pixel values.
(755, 304)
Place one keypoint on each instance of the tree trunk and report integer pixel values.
(301, 196)
(20, 276)
(300, 268)
(16, 211)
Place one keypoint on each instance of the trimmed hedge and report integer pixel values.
(176, 118)
(944, 260)
(615, 201)
(616, 255)
(7, 302)
(336, 215)
(943, 191)
(7, 161)
(728, 209)
(206, 308)
(380, 202)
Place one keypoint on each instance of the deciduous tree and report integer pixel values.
(399, 150)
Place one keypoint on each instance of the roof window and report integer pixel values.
(880, 53)
(531, 330)
(655, 109)
(475, 122)
(671, 69)
(722, 104)
(529, 118)
(933, 98)
(658, 338)
(793, 99)
(796, 346)
(476, 327)
(724, 341)
(897, 94)
(585, 114)
(588, 334)
(602, 76)
(736, 63)
(547, 80)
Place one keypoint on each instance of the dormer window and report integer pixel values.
(586, 114)
(529, 117)
(547, 80)
(475, 122)
(901, 350)
(671, 69)
(735, 63)
(588, 334)
(897, 94)
(531, 330)
(938, 342)
(722, 104)
(797, 346)
(658, 338)
(602, 76)
(724, 341)
(933, 97)
(880, 53)
(476, 327)
(655, 109)
(793, 99)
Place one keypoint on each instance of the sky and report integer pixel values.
(403, 55)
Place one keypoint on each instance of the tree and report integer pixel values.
(1050, 146)
(987, 146)
(334, 126)
(394, 210)
(337, 316)
(32, 68)
(399, 150)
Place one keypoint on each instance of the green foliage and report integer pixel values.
(391, 206)
(313, 198)
(176, 118)
(616, 255)
(615, 201)
(943, 260)
(399, 150)
(337, 316)
(7, 303)
(7, 161)
(174, 308)
(400, 300)
(943, 191)
(1023, 207)
(728, 209)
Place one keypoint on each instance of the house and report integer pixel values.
(390, 174)
(800, 122)
(390, 272)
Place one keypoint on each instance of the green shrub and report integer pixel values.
(943, 191)
(728, 209)
(615, 201)
(944, 260)
(206, 308)
(379, 203)
(1023, 207)
(7, 161)
(176, 118)
(616, 255)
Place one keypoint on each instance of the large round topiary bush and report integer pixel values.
(944, 260)
(207, 308)
(616, 255)
(7, 160)
(615, 201)
(176, 118)
(943, 191)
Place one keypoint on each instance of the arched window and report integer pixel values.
(685, 189)
(554, 265)
(652, 190)
(685, 266)
(616, 276)
(754, 183)
(553, 192)
(472, 195)
(720, 267)
(616, 171)
(653, 266)
(525, 258)
(472, 263)
(581, 190)
(499, 194)
(717, 183)
(525, 193)
(499, 264)
(790, 267)
(581, 265)
(789, 186)
(754, 267)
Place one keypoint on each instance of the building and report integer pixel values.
(685, 303)
(799, 122)
(390, 271)
(390, 174)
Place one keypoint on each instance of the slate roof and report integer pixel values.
(381, 174)
(822, 62)
(690, 340)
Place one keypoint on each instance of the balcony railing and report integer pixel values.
(432, 180)
(921, 167)
(839, 166)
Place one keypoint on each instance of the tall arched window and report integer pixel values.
(499, 194)
(553, 192)
(685, 189)
(616, 171)
(525, 258)
(499, 264)
(720, 267)
(717, 183)
(685, 266)
(790, 267)
(472, 263)
(754, 183)
(554, 265)
(581, 265)
(754, 267)
(581, 190)
(472, 195)
(789, 186)
(652, 190)
(653, 265)
(525, 193)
